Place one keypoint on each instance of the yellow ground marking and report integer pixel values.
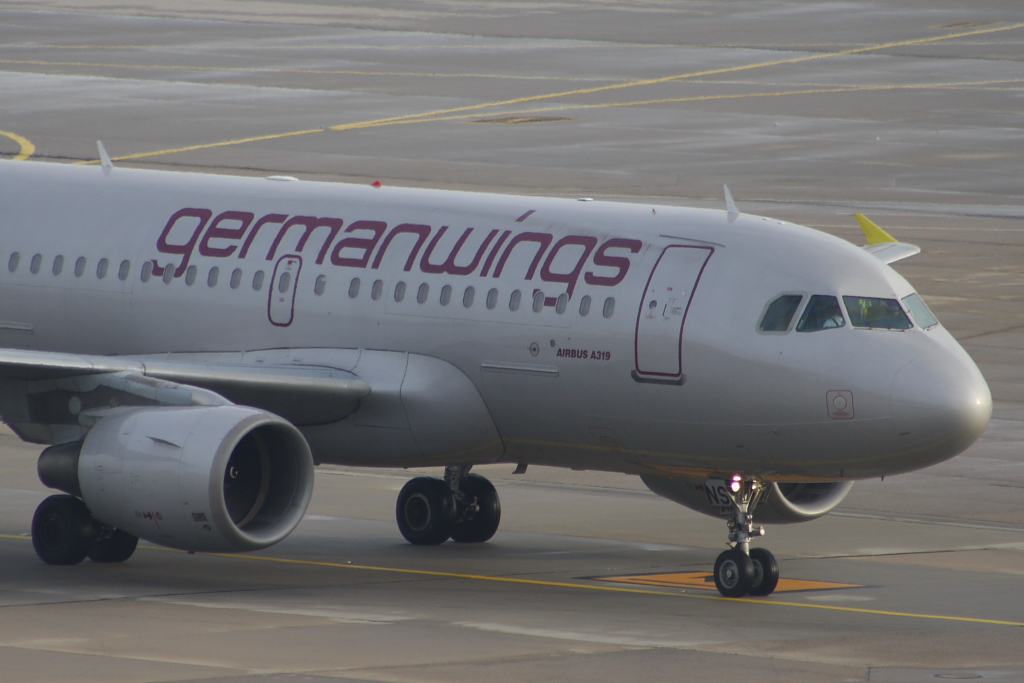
(272, 70)
(706, 581)
(578, 586)
(26, 148)
(432, 115)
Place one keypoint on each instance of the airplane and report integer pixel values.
(189, 346)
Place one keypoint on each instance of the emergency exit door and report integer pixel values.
(662, 314)
(281, 306)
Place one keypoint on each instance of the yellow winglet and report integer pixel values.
(874, 233)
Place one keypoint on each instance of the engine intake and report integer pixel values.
(787, 502)
(212, 478)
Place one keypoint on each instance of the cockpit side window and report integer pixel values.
(875, 313)
(779, 313)
(822, 313)
(921, 314)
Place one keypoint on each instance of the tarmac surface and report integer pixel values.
(909, 111)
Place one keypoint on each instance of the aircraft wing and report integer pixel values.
(882, 245)
(301, 394)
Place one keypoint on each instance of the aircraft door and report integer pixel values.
(662, 314)
(281, 306)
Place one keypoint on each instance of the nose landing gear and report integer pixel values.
(462, 506)
(741, 571)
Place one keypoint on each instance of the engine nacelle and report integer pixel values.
(787, 502)
(211, 478)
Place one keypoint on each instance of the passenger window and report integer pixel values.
(12, 263)
(780, 313)
(321, 285)
(467, 297)
(609, 307)
(822, 313)
(101, 268)
(920, 312)
(147, 271)
(399, 291)
(584, 306)
(492, 298)
(446, 295)
(422, 293)
(214, 275)
(873, 313)
(353, 288)
(377, 289)
(236, 278)
(58, 264)
(563, 301)
(190, 275)
(513, 301)
(37, 261)
(80, 266)
(538, 302)
(257, 280)
(168, 273)
(124, 270)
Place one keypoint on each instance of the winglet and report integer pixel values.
(105, 163)
(732, 213)
(874, 233)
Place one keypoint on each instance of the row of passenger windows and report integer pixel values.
(319, 286)
(823, 312)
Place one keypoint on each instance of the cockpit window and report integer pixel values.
(919, 311)
(822, 313)
(885, 314)
(780, 313)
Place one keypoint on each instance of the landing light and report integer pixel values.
(736, 484)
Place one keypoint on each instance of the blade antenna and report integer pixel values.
(732, 213)
(105, 163)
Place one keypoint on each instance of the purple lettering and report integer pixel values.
(588, 244)
(494, 252)
(542, 239)
(311, 223)
(449, 265)
(183, 250)
(367, 244)
(217, 232)
(411, 228)
(621, 262)
(269, 218)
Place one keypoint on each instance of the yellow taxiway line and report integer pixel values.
(435, 114)
(26, 148)
(580, 586)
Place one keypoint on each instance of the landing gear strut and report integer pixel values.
(462, 506)
(64, 532)
(741, 571)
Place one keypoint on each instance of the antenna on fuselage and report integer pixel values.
(105, 163)
(732, 213)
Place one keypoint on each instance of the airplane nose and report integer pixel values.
(940, 406)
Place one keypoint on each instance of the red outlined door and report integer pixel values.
(662, 314)
(281, 306)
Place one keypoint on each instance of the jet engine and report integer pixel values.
(786, 502)
(212, 478)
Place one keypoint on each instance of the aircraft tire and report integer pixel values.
(734, 572)
(425, 511)
(62, 530)
(766, 573)
(482, 525)
(117, 547)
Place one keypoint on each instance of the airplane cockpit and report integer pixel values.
(823, 312)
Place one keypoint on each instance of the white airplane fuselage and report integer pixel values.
(634, 346)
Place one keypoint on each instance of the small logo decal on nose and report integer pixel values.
(839, 404)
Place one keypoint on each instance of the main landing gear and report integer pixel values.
(463, 507)
(741, 571)
(64, 532)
